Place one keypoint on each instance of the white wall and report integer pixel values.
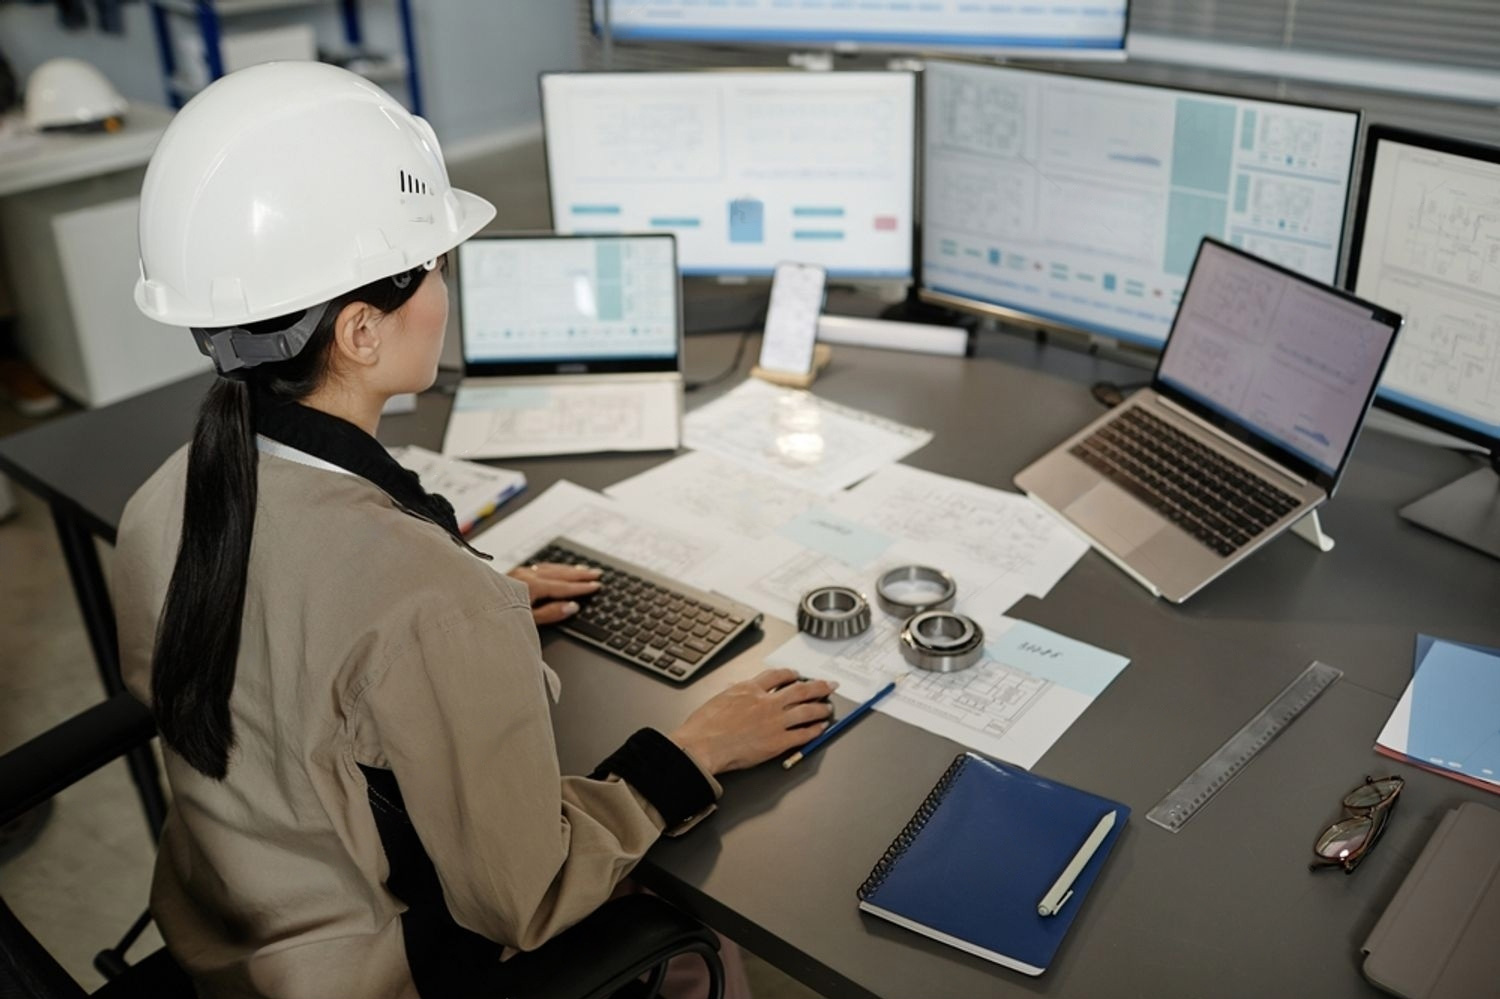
(478, 58)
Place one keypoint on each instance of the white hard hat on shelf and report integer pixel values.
(71, 94)
(284, 185)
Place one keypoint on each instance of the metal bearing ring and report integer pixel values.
(833, 612)
(894, 602)
(941, 641)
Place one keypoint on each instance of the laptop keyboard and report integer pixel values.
(1218, 502)
(648, 619)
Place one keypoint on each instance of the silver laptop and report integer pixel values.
(1255, 405)
(571, 344)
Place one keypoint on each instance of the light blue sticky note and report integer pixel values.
(747, 220)
(1065, 661)
(830, 534)
(474, 399)
(1455, 708)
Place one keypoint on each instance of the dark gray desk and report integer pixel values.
(1224, 908)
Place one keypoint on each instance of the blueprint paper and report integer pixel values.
(716, 494)
(510, 421)
(997, 706)
(599, 522)
(797, 438)
(959, 523)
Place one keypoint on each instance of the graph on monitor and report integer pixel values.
(747, 169)
(1080, 203)
(1056, 28)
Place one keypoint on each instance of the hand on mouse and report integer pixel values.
(755, 720)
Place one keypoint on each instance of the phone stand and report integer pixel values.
(822, 354)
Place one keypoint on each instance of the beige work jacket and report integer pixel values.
(369, 637)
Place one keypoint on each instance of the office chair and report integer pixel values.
(620, 951)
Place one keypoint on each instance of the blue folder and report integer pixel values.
(975, 860)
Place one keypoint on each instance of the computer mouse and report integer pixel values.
(825, 700)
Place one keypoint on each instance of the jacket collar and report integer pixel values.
(341, 443)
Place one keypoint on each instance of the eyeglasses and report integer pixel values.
(1346, 842)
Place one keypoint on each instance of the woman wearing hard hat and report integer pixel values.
(330, 666)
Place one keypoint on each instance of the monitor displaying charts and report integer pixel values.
(1079, 203)
(1054, 28)
(1427, 245)
(601, 302)
(747, 169)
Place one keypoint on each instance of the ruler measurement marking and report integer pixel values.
(1195, 790)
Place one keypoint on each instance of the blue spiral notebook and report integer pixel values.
(980, 853)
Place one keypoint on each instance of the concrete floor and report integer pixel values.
(87, 876)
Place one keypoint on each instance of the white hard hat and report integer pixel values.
(69, 93)
(284, 185)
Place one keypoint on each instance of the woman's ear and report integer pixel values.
(356, 335)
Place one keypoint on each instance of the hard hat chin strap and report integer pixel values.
(235, 347)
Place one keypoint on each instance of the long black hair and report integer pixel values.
(198, 638)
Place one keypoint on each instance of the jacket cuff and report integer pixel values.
(664, 775)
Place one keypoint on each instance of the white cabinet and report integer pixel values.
(72, 255)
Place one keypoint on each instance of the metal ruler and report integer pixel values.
(1183, 801)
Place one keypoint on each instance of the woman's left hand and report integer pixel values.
(552, 585)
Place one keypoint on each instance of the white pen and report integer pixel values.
(1062, 888)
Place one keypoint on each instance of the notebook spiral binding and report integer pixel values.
(913, 827)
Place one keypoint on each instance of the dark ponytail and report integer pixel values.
(198, 639)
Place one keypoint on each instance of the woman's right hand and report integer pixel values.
(754, 720)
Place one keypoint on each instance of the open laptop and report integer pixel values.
(571, 344)
(1255, 405)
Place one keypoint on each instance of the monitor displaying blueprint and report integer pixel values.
(1056, 29)
(1079, 203)
(747, 169)
(1428, 246)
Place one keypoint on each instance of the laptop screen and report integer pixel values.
(1277, 360)
(569, 304)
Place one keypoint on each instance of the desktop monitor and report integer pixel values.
(747, 169)
(1427, 244)
(1054, 29)
(1078, 204)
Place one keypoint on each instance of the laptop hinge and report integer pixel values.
(1222, 436)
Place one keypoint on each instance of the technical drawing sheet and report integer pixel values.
(1030, 685)
(490, 421)
(823, 549)
(798, 438)
(599, 522)
(717, 494)
(953, 523)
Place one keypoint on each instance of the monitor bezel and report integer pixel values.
(1466, 148)
(1074, 53)
(626, 365)
(1244, 433)
(909, 277)
(1038, 320)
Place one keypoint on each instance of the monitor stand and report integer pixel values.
(1466, 511)
(714, 307)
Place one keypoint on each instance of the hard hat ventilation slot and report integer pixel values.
(411, 185)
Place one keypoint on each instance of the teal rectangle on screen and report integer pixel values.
(1203, 145)
(1189, 216)
(1065, 661)
(850, 543)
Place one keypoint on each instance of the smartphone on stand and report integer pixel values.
(792, 318)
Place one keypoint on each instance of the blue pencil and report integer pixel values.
(839, 726)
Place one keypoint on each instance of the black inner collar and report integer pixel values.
(341, 443)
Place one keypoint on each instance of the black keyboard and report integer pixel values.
(1222, 504)
(648, 619)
